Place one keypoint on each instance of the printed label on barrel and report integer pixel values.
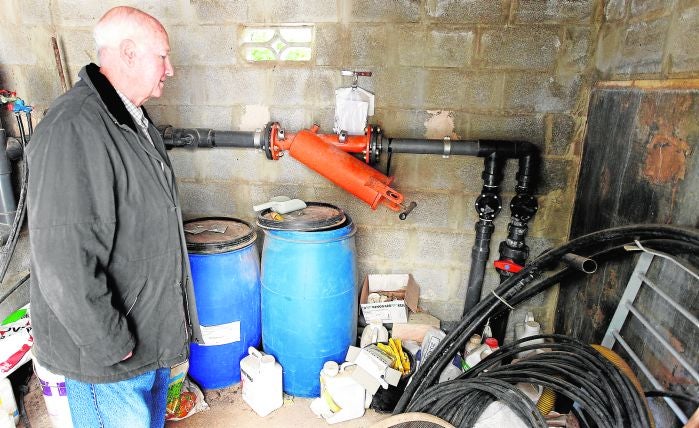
(221, 334)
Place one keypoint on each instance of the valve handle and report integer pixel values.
(407, 211)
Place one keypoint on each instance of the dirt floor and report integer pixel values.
(226, 409)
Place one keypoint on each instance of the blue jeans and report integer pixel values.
(136, 402)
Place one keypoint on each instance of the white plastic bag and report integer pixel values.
(352, 107)
(15, 341)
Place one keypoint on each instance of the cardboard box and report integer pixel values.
(416, 327)
(393, 311)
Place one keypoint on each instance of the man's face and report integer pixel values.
(153, 65)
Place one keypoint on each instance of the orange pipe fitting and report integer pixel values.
(330, 161)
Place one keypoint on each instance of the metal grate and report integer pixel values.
(629, 315)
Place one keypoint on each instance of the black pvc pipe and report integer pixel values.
(8, 204)
(193, 138)
(480, 148)
(479, 258)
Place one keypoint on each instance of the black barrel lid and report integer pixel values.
(217, 234)
(316, 216)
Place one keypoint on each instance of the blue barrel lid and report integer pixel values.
(213, 235)
(316, 216)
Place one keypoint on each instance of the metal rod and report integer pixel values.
(670, 402)
(663, 341)
(674, 304)
(59, 64)
(580, 263)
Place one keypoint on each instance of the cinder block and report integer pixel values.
(388, 242)
(210, 198)
(410, 42)
(282, 11)
(540, 92)
(226, 85)
(16, 47)
(446, 311)
(434, 281)
(291, 119)
(468, 11)
(398, 123)
(443, 248)
(167, 12)
(642, 7)
(400, 87)
(291, 86)
(456, 174)
(562, 133)
(323, 117)
(527, 47)
(77, 46)
(574, 52)
(684, 55)
(520, 127)
(383, 11)
(192, 45)
(555, 174)
(552, 221)
(36, 85)
(329, 44)
(28, 12)
(189, 165)
(615, 10)
(79, 13)
(447, 48)
(220, 11)
(458, 90)
(537, 11)
(642, 47)
(368, 45)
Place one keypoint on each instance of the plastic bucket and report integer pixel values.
(226, 276)
(309, 302)
(53, 388)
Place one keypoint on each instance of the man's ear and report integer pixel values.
(127, 51)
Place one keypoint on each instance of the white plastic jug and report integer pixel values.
(526, 329)
(8, 405)
(341, 397)
(53, 387)
(261, 378)
(375, 332)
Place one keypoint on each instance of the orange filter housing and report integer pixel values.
(344, 170)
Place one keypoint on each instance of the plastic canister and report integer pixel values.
(474, 357)
(53, 387)
(341, 397)
(430, 342)
(526, 329)
(452, 370)
(473, 343)
(7, 402)
(261, 378)
(375, 332)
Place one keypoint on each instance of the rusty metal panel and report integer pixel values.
(639, 165)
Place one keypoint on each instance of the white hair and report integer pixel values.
(121, 23)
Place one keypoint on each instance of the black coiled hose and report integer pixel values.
(522, 284)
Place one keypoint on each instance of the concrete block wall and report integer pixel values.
(503, 69)
(649, 39)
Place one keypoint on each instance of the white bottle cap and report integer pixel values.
(331, 368)
(531, 328)
(267, 360)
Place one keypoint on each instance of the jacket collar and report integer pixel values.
(99, 82)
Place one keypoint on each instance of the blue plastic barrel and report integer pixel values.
(309, 301)
(226, 276)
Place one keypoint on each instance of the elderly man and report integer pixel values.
(112, 304)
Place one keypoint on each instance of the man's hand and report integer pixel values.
(127, 356)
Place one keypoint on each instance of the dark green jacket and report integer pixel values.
(109, 271)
